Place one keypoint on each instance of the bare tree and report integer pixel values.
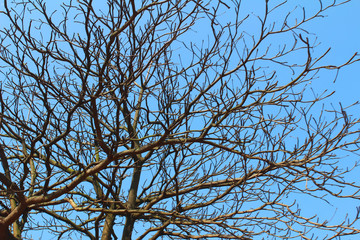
(166, 119)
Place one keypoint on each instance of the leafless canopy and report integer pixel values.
(169, 119)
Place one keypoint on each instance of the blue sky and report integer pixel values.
(340, 30)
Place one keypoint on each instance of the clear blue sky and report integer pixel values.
(340, 30)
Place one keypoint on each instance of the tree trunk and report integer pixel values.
(130, 220)
(6, 234)
(108, 227)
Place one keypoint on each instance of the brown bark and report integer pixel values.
(6, 234)
(108, 227)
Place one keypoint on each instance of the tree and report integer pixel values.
(168, 119)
